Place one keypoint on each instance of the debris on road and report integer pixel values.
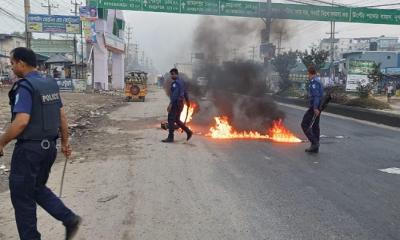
(107, 199)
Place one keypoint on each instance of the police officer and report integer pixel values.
(310, 123)
(178, 96)
(37, 116)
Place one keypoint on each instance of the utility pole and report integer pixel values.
(49, 6)
(266, 41)
(142, 60)
(76, 4)
(332, 34)
(280, 43)
(27, 6)
(128, 46)
(253, 53)
(234, 52)
(136, 53)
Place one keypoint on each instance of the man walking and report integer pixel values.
(37, 117)
(310, 123)
(175, 107)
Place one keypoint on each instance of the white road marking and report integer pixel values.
(267, 158)
(391, 170)
(343, 117)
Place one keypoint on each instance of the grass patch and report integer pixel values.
(291, 93)
(368, 103)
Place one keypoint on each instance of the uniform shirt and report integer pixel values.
(178, 91)
(316, 92)
(23, 97)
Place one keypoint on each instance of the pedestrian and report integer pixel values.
(389, 92)
(37, 117)
(310, 123)
(177, 97)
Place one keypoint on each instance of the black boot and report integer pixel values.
(168, 140)
(314, 148)
(189, 135)
(72, 228)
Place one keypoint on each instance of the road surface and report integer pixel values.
(126, 184)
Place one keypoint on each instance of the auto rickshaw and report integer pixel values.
(136, 86)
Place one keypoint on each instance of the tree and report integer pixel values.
(283, 63)
(314, 57)
(375, 76)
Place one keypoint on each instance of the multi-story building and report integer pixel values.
(346, 45)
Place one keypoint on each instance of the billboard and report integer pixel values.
(52, 46)
(113, 42)
(358, 74)
(53, 24)
(88, 13)
(89, 31)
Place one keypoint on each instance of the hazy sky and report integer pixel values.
(167, 38)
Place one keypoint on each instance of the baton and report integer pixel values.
(312, 122)
(62, 177)
(324, 104)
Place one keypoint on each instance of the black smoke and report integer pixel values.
(236, 88)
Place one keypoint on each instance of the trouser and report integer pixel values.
(312, 133)
(30, 169)
(174, 118)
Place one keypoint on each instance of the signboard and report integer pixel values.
(392, 71)
(267, 51)
(358, 74)
(353, 81)
(363, 67)
(259, 9)
(53, 23)
(79, 85)
(89, 31)
(65, 84)
(114, 42)
(52, 46)
(88, 13)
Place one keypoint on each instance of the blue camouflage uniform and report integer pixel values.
(35, 153)
(178, 95)
(316, 92)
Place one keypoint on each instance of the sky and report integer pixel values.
(167, 38)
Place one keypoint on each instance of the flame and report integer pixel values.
(277, 133)
(189, 113)
(223, 130)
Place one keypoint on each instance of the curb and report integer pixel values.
(369, 115)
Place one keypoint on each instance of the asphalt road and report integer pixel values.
(211, 189)
(338, 194)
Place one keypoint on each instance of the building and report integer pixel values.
(387, 59)
(108, 51)
(7, 43)
(349, 45)
(10, 41)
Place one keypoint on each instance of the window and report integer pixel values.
(389, 57)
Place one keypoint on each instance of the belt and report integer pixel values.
(44, 143)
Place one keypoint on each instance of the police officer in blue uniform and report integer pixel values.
(178, 96)
(310, 123)
(37, 118)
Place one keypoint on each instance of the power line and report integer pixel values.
(11, 15)
(384, 5)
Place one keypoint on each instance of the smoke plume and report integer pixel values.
(236, 88)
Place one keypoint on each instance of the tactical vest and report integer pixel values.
(45, 114)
